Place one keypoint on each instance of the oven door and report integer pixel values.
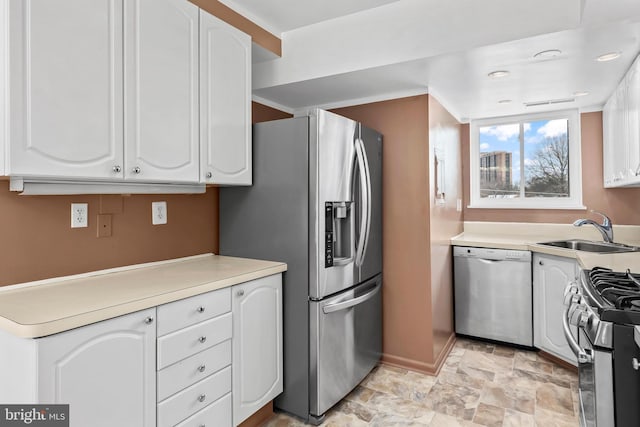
(595, 378)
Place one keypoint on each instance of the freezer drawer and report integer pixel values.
(345, 342)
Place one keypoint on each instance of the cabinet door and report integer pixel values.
(225, 107)
(609, 136)
(257, 345)
(105, 372)
(161, 90)
(65, 88)
(633, 121)
(551, 275)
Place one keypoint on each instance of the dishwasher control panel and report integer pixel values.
(491, 253)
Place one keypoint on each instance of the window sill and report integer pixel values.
(535, 204)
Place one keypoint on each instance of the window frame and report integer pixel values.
(574, 201)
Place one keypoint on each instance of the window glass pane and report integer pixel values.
(500, 161)
(546, 158)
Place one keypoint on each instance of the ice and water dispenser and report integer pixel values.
(339, 233)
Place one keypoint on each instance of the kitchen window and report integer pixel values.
(527, 162)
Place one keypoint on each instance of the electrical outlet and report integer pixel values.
(158, 213)
(79, 215)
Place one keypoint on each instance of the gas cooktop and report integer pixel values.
(616, 294)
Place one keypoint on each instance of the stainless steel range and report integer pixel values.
(605, 306)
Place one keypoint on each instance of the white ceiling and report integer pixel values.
(346, 52)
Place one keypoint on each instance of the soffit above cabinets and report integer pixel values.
(358, 51)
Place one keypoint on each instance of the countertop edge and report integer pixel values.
(65, 324)
(515, 244)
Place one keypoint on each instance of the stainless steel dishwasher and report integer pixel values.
(493, 294)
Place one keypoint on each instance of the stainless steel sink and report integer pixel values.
(589, 246)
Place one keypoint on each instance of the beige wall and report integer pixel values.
(414, 334)
(261, 113)
(39, 243)
(621, 204)
(446, 221)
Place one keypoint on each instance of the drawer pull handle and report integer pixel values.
(202, 397)
(148, 320)
(200, 309)
(201, 368)
(202, 339)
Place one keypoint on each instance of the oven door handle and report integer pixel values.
(583, 356)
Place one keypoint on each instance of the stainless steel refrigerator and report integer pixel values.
(316, 204)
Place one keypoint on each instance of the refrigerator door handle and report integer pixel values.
(353, 301)
(364, 198)
(369, 197)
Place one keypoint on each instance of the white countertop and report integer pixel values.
(520, 236)
(47, 307)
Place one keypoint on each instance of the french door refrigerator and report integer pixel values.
(316, 204)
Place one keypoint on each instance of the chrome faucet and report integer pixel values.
(606, 228)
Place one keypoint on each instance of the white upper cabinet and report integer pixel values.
(65, 88)
(123, 90)
(621, 132)
(161, 90)
(225, 103)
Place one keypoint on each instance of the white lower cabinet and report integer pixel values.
(257, 345)
(215, 360)
(551, 274)
(104, 371)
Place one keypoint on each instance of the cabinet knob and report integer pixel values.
(540, 262)
(634, 364)
(202, 398)
(202, 368)
(209, 175)
(240, 293)
(200, 309)
(117, 168)
(202, 339)
(136, 170)
(148, 320)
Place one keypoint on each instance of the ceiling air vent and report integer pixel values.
(548, 102)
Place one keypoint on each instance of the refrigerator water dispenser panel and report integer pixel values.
(339, 232)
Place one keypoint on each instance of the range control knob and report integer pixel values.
(579, 317)
(571, 288)
(572, 299)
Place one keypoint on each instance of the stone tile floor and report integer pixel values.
(480, 384)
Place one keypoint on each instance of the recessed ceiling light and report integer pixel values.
(546, 54)
(580, 93)
(498, 74)
(504, 101)
(608, 56)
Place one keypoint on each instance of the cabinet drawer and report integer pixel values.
(180, 375)
(189, 311)
(218, 414)
(186, 342)
(189, 401)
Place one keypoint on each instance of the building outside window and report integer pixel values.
(529, 161)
